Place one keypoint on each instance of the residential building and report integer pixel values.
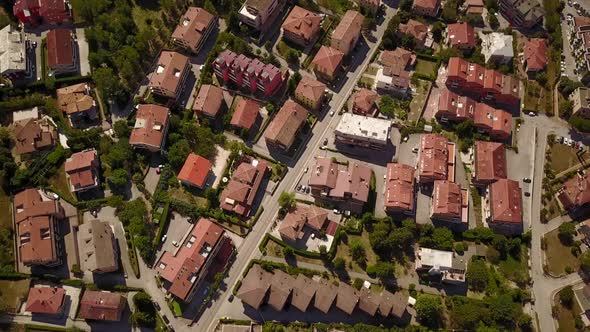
(42, 11)
(398, 57)
(240, 192)
(454, 108)
(151, 127)
(450, 202)
(246, 114)
(254, 288)
(492, 121)
(500, 88)
(347, 32)
(46, 300)
(394, 79)
(281, 285)
(364, 102)
(399, 189)
(78, 104)
(194, 28)
(102, 305)
(461, 36)
(581, 39)
(575, 192)
(503, 207)
(347, 188)
(446, 264)
(363, 131)
(302, 26)
(419, 31)
(283, 130)
(347, 298)
(490, 163)
(474, 7)
(370, 6)
(25, 114)
(522, 13)
(32, 136)
(327, 63)
(97, 247)
(325, 296)
(37, 218)
(581, 102)
(170, 75)
(535, 55)
(209, 102)
(13, 53)
(497, 47)
(310, 93)
(82, 170)
(436, 159)
(368, 301)
(184, 269)
(304, 290)
(393, 304)
(195, 171)
(252, 75)
(301, 216)
(428, 8)
(62, 55)
(256, 13)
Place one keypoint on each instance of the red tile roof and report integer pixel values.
(195, 170)
(60, 47)
(575, 192)
(314, 217)
(52, 11)
(490, 162)
(434, 155)
(255, 286)
(349, 28)
(81, 168)
(428, 4)
(474, 6)
(446, 200)
(32, 135)
(45, 300)
(399, 187)
(324, 174)
(169, 71)
(303, 23)
(192, 25)
(455, 107)
(396, 57)
(353, 183)
(245, 113)
(182, 268)
(535, 54)
(286, 124)
(328, 59)
(150, 123)
(101, 305)
(310, 89)
(75, 99)
(498, 123)
(208, 101)
(506, 201)
(364, 101)
(461, 35)
(414, 28)
(241, 190)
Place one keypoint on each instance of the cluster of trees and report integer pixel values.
(133, 214)
(468, 134)
(119, 158)
(394, 107)
(390, 240)
(440, 238)
(145, 313)
(7, 164)
(392, 37)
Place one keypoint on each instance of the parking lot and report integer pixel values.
(573, 62)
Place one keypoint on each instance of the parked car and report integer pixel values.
(174, 243)
(527, 180)
(415, 150)
(165, 319)
(527, 194)
(164, 238)
(308, 190)
(299, 188)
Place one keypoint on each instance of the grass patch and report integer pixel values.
(566, 316)
(553, 209)
(343, 251)
(534, 97)
(366, 82)
(276, 250)
(12, 292)
(77, 17)
(337, 6)
(143, 16)
(372, 70)
(516, 270)
(425, 67)
(6, 208)
(559, 256)
(182, 195)
(476, 199)
(418, 99)
(60, 182)
(563, 157)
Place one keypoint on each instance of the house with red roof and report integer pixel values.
(37, 219)
(575, 192)
(503, 207)
(82, 170)
(36, 12)
(364, 102)
(310, 93)
(151, 126)
(170, 75)
(61, 52)
(450, 203)
(297, 221)
(428, 8)
(246, 114)
(285, 126)
(243, 186)
(46, 300)
(327, 63)
(399, 189)
(461, 36)
(490, 163)
(301, 26)
(494, 122)
(102, 306)
(184, 269)
(347, 32)
(195, 171)
(436, 159)
(419, 31)
(535, 55)
(194, 28)
(454, 108)
(209, 102)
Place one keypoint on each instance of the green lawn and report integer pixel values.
(60, 182)
(563, 157)
(276, 250)
(418, 100)
(12, 291)
(516, 270)
(566, 316)
(559, 256)
(343, 251)
(6, 207)
(371, 70)
(425, 67)
(142, 16)
(337, 6)
(553, 210)
(183, 195)
(535, 97)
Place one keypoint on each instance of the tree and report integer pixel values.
(339, 263)
(449, 11)
(287, 200)
(292, 57)
(503, 310)
(428, 310)
(493, 20)
(178, 152)
(478, 275)
(357, 283)
(565, 108)
(208, 6)
(357, 252)
(566, 234)
(437, 30)
(233, 22)
(119, 179)
(585, 261)
(382, 269)
(387, 106)
(566, 296)
(107, 83)
(121, 129)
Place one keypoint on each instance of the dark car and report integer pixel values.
(527, 194)
(527, 180)
(230, 298)
(165, 319)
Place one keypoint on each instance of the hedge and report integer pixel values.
(188, 209)
(73, 282)
(163, 221)
(35, 327)
(424, 77)
(300, 252)
(256, 216)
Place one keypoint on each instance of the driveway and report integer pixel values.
(83, 52)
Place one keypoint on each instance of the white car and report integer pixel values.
(164, 238)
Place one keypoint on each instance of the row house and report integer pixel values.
(400, 189)
(436, 159)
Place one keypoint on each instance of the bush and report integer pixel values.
(566, 296)
(339, 264)
(357, 283)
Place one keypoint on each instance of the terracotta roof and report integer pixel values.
(301, 215)
(286, 124)
(324, 173)
(169, 70)
(456, 107)
(506, 201)
(316, 217)
(415, 28)
(303, 23)
(497, 122)
(195, 170)
(81, 168)
(399, 187)
(245, 113)
(428, 4)
(349, 27)
(461, 34)
(209, 100)
(52, 11)
(325, 295)
(150, 123)
(255, 286)
(347, 298)
(535, 54)
(180, 268)
(304, 290)
(45, 300)
(363, 101)
(281, 285)
(353, 182)
(310, 89)
(394, 304)
(368, 301)
(396, 57)
(474, 6)
(575, 191)
(241, 190)
(490, 161)
(60, 47)
(433, 157)
(33, 135)
(446, 199)
(101, 305)
(96, 247)
(328, 58)
(193, 25)
(74, 99)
